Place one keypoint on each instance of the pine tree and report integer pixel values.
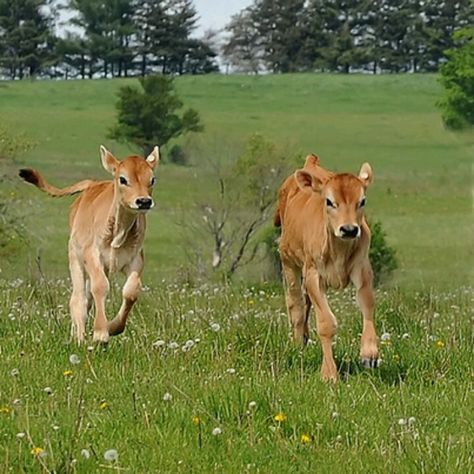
(26, 36)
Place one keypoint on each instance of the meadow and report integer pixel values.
(206, 378)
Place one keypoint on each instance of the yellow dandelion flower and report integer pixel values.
(305, 438)
(37, 451)
(280, 417)
(251, 302)
(104, 405)
(5, 410)
(67, 373)
(196, 420)
(439, 344)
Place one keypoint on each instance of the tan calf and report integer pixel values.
(107, 223)
(325, 243)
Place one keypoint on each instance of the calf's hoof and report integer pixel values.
(329, 374)
(370, 362)
(101, 336)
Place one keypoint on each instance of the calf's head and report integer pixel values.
(343, 197)
(133, 178)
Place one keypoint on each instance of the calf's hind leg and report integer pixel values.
(78, 300)
(130, 293)
(295, 303)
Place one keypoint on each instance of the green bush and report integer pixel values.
(382, 255)
(457, 77)
(178, 155)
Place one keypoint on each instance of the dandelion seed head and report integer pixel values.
(167, 397)
(385, 337)
(85, 453)
(159, 343)
(252, 405)
(111, 455)
(14, 372)
(216, 431)
(215, 327)
(402, 421)
(20, 435)
(74, 359)
(411, 420)
(173, 345)
(230, 371)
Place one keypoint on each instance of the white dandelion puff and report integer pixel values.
(167, 397)
(216, 431)
(85, 453)
(215, 327)
(111, 455)
(159, 343)
(74, 359)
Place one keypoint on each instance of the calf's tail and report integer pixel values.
(34, 177)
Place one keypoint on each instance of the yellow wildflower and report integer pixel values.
(37, 451)
(439, 344)
(280, 417)
(251, 302)
(196, 420)
(305, 438)
(5, 410)
(67, 373)
(104, 405)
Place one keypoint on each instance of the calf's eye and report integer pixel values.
(329, 203)
(123, 181)
(362, 203)
(153, 181)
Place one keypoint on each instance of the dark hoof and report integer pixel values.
(369, 363)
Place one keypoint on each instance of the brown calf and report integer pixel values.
(325, 243)
(107, 223)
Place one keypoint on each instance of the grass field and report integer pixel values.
(205, 378)
(157, 398)
(423, 173)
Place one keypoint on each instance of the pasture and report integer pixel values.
(205, 378)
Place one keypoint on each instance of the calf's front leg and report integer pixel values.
(326, 324)
(363, 281)
(99, 289)
(130, 293)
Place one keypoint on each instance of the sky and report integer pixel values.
(216, 14)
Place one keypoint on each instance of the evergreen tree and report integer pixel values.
(26, 36)
(151, 115)
(243, 49)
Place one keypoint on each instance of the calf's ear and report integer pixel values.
(312, 160)
(307, 182)
(109, 162)
(365, 174)
(154, 157)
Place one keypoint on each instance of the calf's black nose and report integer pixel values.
(143, 203)
(349, 231)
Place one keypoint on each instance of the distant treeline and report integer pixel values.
(120, 38)
(345, 35)
(115, 38)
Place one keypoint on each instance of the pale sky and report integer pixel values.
(216, 14)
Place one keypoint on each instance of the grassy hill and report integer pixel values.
(422, 172)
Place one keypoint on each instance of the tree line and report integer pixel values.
(118, 38)
(344, 35)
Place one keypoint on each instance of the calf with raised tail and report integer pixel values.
(325, 243)
(107, 223)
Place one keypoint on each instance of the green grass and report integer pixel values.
(423, 173)
(114, 398)
(414, 414)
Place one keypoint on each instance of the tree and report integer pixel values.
(150, 116)
(243, 49)
(457, 77)
(238, 204)
(26, 36)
